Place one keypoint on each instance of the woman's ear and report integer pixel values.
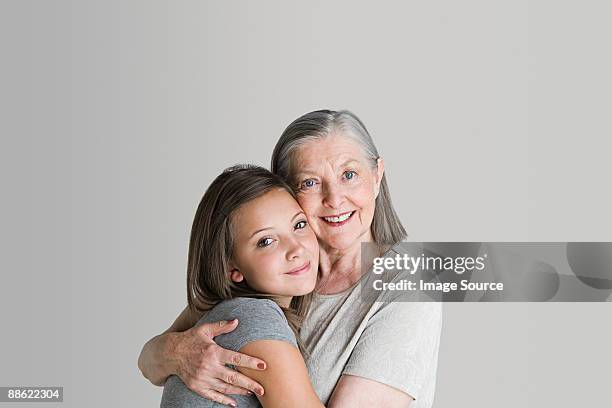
(380, 171)
(234, 274)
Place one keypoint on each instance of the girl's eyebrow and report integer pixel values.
(297, 214)
(259, 230)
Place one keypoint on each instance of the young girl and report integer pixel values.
(253, 257)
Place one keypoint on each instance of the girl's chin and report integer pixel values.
(304, 290)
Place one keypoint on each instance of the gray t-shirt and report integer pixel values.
(375, 337)
(258, 319)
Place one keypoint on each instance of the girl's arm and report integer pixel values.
(191, 353)
(287, 383)
(286, 379)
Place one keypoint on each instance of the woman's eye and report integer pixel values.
(308, 183)
(301, 225)
(264, 242)
(349, 175)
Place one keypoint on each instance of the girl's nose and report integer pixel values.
(295, 249)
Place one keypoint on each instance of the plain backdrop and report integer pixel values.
(493, 118)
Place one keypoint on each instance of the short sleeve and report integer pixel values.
(258, 319)
(399, 348)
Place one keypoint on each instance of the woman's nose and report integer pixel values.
(333, 196)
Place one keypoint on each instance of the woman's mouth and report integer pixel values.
(338, 220)
(299, 270)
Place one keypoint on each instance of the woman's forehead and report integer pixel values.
(337, 150)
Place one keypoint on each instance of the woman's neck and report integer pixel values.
(341, 269)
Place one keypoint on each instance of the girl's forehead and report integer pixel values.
(267, 207)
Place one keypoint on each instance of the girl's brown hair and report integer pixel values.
(211, 244)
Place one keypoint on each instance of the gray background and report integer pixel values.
(493, 119)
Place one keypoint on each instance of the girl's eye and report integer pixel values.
(301, 225)
(308, 183)
(264, 242)
(349, 175)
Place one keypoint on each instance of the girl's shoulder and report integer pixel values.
(246, 305)
(258, 319)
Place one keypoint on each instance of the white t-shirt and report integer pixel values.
(395, 343)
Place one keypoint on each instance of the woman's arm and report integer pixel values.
(286, 379)
(191, 353)
(395, 358)
(357, 392)
(154, 361)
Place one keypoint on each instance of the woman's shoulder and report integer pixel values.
(258, 319)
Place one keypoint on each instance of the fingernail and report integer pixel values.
(260, 391)
(233, 404)
(261, 366)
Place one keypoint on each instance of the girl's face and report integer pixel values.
(275, 250)
(337, 188)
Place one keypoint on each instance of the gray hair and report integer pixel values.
(386, 225)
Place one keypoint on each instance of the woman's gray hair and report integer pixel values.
(386, 225)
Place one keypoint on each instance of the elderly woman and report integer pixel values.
(362, 350)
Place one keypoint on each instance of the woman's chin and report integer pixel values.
(345, 240)
(341, 243)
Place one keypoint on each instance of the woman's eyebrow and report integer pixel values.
(350, 161)
(303, 173)
(259, 230)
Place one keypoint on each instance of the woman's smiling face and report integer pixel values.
(337, 188)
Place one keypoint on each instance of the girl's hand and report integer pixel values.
(200, 363)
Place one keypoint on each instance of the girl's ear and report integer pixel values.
(234, 274)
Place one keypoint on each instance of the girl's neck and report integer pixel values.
(283, 301)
